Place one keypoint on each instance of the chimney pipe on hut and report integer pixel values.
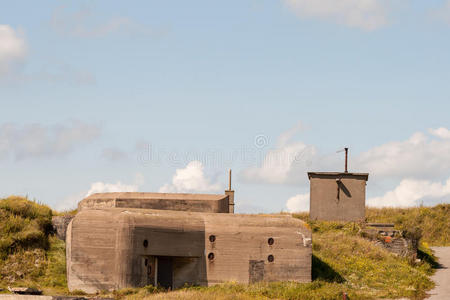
(230, 194)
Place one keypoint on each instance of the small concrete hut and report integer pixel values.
(338, 196)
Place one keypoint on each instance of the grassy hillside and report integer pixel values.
(29, 254)
(433, 222)
(342, 260)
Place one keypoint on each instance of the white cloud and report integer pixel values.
(84, 23)
(13, 51)
(113, 154)
(71, 202)
(52, 72)
(13, 48)
(190, 180)
(417, 163)
(284, 164)
(35, 140)
(441, 13)
(298, 203)
(441, 132)
(364, 14)
(410, 192)
(101, 187)
(421, 156)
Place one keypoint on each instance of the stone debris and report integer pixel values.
(25, 290)
(40, 297)
(393, 240)
(60, 224)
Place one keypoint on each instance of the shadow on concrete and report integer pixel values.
(344, 189)
(323, 271)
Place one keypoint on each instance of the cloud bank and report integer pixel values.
(422, 156)
(101, 187)
(363, 14)
(40, 141)
(190, 179)
(13, 48)
(411, 192)
(417, 164)
(298, 203)
(70, 202)
(286, 163)
(84, 24)
(441, 13)
(114, 154)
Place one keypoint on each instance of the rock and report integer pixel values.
(60, 224)
(393, 240)
(19, 273)
(25, 291)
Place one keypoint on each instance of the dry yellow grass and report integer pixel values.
(342, 260)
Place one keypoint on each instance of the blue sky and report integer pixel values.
(271, 89)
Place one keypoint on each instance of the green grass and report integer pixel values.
(29, 254)
(343, 261)
(24, 224)
(433, 222)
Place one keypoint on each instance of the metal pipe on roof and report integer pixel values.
(346, 159)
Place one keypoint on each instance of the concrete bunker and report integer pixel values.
(120, 240)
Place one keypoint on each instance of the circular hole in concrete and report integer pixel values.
(145, 243)
(270, 258)
(211, 256)
(212, 238)
(270, 241)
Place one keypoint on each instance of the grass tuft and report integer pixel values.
(30, 254)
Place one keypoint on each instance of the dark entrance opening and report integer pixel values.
(165, 272)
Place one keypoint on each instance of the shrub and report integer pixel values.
(24, 224)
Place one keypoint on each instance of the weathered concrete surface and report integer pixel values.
(166, 201)
(115, 248)
(337, 196)
(60, 224)
(442, 276)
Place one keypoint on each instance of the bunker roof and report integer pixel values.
(165, 201)
(156, 196)
(364, 176)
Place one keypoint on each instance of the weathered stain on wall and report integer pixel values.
(111, 247)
